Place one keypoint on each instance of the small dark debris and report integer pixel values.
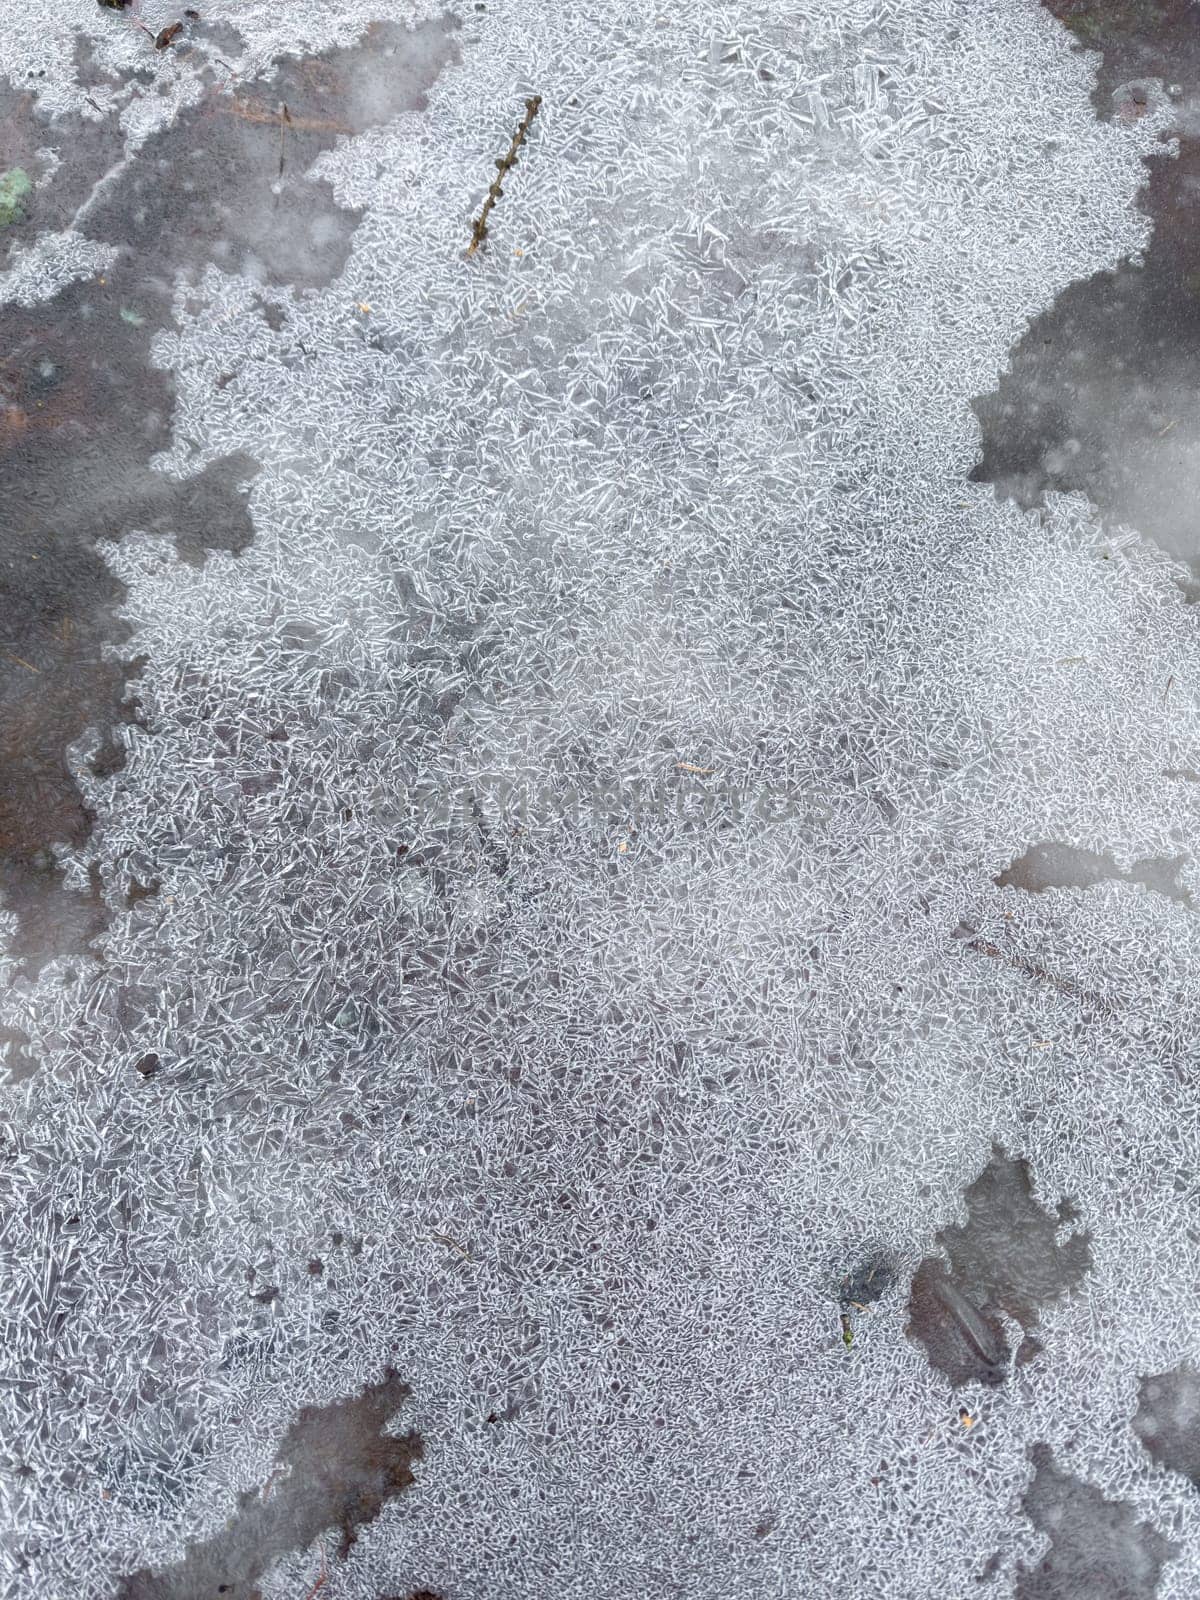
(167, 36)
(868, 1282)
(316, 1268)
(266, 1297)
(860, 1288)
(148, 1064)
(113, 5)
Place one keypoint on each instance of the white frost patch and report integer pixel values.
(49, 263)
(667, 485)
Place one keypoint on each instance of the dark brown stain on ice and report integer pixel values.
(83, 409)
(1051, 865)
(1097, 1549)
(1098, 396)
(1005, 1261)
(335, 1471)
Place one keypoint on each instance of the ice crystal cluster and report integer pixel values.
(575, 819)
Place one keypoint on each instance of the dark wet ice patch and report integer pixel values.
(336, 1469)
(1060, 866)
(1098, 1549)
(1137, 40)
(14, 1053)
(1006, 1261)
(83, 409)
(1100, 398)
(1167, 1420)
(48, 167)
(1102, 392)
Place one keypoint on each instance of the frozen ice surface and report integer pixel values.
(576, 818)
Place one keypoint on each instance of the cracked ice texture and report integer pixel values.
(675, 471)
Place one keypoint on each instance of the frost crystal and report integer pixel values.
(531, 963)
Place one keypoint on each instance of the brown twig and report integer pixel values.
(249, 112)
(1031, 969)
(444, 1238)
(505, 164)
(284, 122)
(322, 1578)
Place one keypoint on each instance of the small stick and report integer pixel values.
(323, 1578)
(505, 163)
(250, 112)
(284, 120)
(444, 1238)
